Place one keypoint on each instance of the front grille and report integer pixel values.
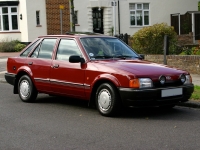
(167, 84)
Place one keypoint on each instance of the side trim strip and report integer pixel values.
(70, 84)
(63, 83)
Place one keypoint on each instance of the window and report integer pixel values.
(27, 51)
(139, 14)
(37, 18)
(45, 49)
(76, 17)
(67, 48)
(8, 18)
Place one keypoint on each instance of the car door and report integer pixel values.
(67, 78)
(39, 63)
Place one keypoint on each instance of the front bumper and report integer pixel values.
(152, 97)
(10, 78)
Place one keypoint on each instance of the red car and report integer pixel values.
(100, 69)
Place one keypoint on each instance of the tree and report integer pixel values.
(73, 15)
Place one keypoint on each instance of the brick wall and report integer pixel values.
(53, 16)
(188, 63)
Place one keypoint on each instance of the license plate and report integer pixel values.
(171, 92)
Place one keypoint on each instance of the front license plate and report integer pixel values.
(171, 92)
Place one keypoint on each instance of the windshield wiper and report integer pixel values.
(122, 56)
(103, 57)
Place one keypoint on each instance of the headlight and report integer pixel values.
(188, 79)
(140, 83)
(182, 77)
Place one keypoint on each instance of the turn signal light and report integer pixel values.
(134, 83)
(141, 83)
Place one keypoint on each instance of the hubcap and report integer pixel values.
(24, 89)
(104, 100)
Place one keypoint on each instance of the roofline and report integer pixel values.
(76, 35)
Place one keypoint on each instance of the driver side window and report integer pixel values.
(66, 48)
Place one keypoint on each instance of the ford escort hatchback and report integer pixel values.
(100, 69)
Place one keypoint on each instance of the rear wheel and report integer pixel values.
(107, 99)
(26, 89)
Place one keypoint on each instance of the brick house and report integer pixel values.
(25, 20)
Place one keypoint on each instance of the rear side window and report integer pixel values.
(27, 51)
(45, 49)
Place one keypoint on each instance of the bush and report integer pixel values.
(18, 47)
(11, 46)
(150, 40)
(190, 51)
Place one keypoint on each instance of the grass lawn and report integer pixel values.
(196, 93)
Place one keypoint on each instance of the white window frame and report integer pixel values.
(133, 12)
(10, 14)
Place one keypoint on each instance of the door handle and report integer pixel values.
(30, 63)
(55, 66)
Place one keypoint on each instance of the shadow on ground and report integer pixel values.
(147, 113)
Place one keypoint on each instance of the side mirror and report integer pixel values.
(141, 56)
(76, 59)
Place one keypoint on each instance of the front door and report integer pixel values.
(67, 78)
(97, 15)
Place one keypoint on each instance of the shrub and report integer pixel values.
(190, 51)
(18, 47)
(150, 40)
(11, 46)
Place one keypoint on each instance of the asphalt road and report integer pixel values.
(63, 124)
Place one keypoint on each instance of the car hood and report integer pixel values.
(142, 68)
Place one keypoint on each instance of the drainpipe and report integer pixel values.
(118, 17)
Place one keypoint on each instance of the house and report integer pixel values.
(126, 16)
(188, 23)
(25, 20)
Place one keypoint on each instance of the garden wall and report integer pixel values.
(189, 63)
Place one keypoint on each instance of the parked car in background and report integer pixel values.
(100, 69)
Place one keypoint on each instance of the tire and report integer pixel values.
(167, 106)
(26, 89)
(107, 100)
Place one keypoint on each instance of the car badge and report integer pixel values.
(168, 77)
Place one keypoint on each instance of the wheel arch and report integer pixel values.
(19, 75)
(100, 80)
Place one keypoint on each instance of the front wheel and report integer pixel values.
(167, 106)
(107, 99)
(26, 89)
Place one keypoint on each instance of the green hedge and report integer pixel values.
(11, 46)
(150, 40)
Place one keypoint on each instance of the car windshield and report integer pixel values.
(104, 48)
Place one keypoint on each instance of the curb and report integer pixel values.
(2, 80)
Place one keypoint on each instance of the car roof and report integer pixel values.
(77, 34)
